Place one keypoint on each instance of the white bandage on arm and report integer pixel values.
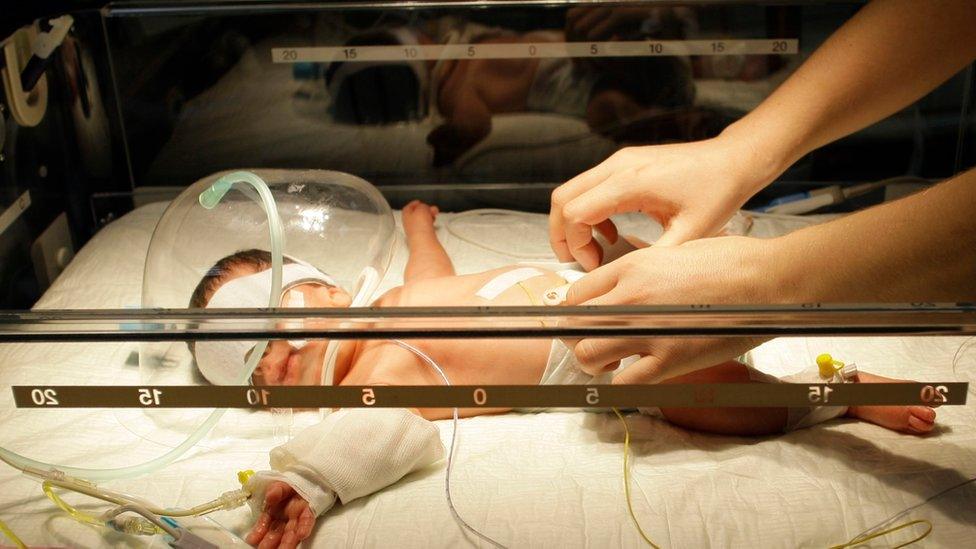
(353, 453)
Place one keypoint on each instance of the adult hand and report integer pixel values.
(286, 520)
(691, 189)
(723, 270)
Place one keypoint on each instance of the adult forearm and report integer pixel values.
(920, 248)
(888, 55)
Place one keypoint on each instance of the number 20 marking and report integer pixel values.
(45, 397)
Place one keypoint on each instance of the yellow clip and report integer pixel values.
(828, 366)
(244, 476)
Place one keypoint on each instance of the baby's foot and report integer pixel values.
(418, 216)
(916, 420)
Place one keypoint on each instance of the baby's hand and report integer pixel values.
(418, 216)
(286, 520)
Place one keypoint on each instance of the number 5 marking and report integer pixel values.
(369, 398)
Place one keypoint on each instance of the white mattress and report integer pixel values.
(543, 480)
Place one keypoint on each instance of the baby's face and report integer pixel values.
(284, 363)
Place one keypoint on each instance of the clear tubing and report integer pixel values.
(208, 199)
(450, 455)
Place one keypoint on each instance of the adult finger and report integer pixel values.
(594, 207)
(564, 194)
(646, 370)
(609, 230)
(598, 202)
(583, 248)
(679, 231)
(595, 284)
(597, 355)
(557, 222)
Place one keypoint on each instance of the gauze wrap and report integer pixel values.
(222, 362)
(350, 454)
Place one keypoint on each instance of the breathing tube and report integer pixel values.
(208, 199)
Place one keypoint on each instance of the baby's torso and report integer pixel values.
(491, 361)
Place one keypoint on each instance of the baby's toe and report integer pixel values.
(923, 413)
(919, 426)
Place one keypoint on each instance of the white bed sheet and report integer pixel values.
(536, 480)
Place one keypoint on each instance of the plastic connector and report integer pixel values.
(138, 526)
(849, 373)
(232, 499)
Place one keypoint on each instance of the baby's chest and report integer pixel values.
(462, 361)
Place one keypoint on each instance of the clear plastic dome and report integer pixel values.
(333, 225)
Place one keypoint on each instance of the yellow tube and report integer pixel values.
(6, 531)
(80, 516)
(861, 540)
(630, 507)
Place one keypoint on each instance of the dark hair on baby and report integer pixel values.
(259, 260)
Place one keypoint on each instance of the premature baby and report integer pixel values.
(329, 461)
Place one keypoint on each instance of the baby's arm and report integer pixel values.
(428, 259)
(349, 454)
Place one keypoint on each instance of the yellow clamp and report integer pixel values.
(828, 366)
(244, 476)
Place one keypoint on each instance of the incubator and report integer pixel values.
(222, 266)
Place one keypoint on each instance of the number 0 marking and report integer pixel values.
(480, 396)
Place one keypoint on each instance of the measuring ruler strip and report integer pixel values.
(525, 50)
(492, 396)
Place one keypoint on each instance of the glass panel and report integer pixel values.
(495, 92)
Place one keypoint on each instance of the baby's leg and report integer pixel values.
(907, 419)
(725, 421)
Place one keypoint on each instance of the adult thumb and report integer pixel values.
(679, 231)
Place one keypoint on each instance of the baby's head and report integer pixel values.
(243, 280)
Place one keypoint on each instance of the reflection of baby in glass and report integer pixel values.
(607, 93)
(643, 99)
(312, 478)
